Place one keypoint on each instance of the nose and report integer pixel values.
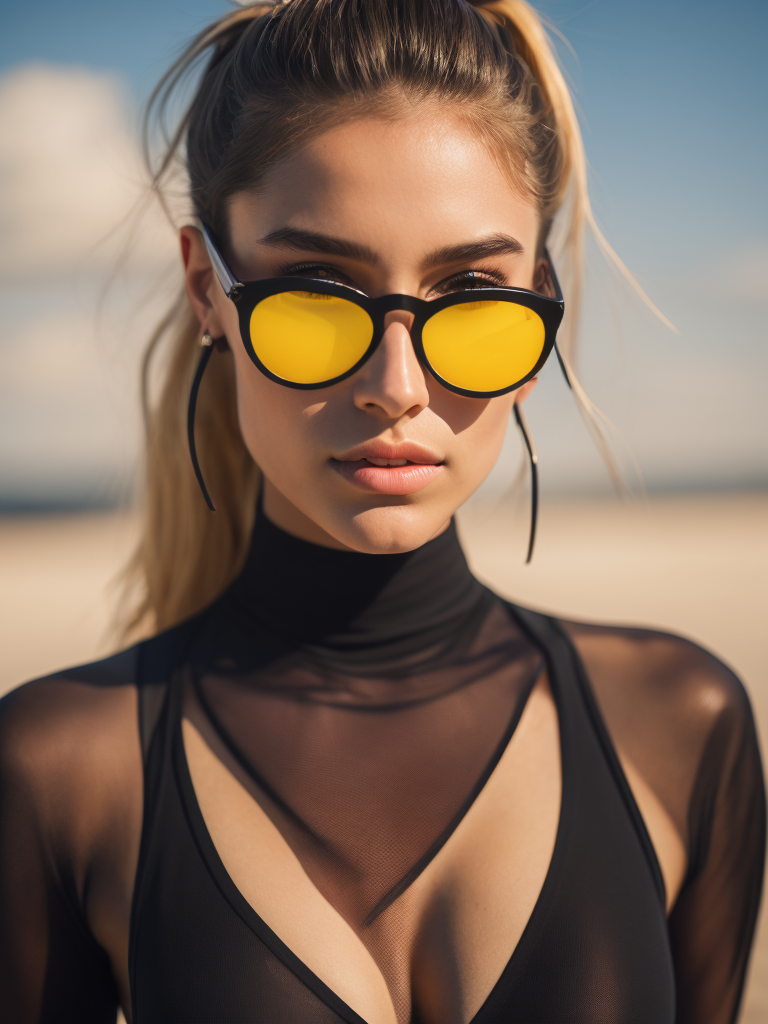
(392, 384)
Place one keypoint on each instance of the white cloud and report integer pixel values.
(68, 400)
(71, 176)
(71, 173)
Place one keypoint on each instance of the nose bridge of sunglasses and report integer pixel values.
(399, 316)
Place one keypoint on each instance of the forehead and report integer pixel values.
(413, 183)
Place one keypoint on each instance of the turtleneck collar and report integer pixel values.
(346, 601)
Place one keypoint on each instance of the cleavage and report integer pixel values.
(332, 810)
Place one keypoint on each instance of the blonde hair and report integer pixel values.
(277, 74)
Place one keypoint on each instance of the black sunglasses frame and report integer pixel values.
(248, 294)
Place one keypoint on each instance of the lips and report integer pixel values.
(381, 468)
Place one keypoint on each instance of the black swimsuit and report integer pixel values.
(369, 698)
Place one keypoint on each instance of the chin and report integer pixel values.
(390, 529)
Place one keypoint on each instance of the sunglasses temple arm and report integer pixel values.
(559, 297)
(232, 287)
(562, 366)
(553, 277)
(207, 350)
(534, 458)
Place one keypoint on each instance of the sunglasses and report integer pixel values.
(306, 333)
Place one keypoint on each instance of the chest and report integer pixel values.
(539, 905)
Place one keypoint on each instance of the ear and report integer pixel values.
(203, 289)
(542, 278)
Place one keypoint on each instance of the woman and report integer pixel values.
(343, 781)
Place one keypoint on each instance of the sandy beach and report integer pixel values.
(693, 565)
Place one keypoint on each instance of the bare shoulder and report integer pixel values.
(681, 687)
(70, 741)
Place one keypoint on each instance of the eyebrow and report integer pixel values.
(294, 238)
(465, 252)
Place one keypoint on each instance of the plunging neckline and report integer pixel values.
(295, 964)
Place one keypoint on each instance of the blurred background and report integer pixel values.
(673, 97)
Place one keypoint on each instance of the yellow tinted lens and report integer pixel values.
(308, 338)
(484, 346)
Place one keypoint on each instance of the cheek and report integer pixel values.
(478, 427)
(283, 428)
(275, 421)
(270, 416)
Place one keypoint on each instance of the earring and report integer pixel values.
(534, 461)
(208, 344)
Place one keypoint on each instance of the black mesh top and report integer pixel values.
(364, 788)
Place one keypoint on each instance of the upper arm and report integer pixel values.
(684, 721)
(70, 820)
(712, 924)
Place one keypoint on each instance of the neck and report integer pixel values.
(346, 601)
(284, 514)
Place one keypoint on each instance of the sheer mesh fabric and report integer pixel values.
(366, 755)
(369, 698)
(682, 718)
(367, 776)
(70, 825)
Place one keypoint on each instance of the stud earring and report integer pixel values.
(208, 344)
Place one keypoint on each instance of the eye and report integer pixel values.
(316, 272)
(467, 280)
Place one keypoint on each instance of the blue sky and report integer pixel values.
(674, 99)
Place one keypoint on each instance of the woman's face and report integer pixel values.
(380, 461)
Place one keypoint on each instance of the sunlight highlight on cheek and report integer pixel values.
(314, 409)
